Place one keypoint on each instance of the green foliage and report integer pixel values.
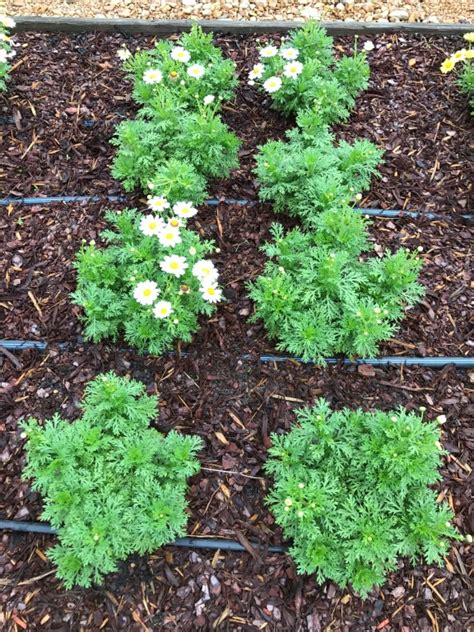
(351, 491)
(318, 298)
(309, 173)
(178, 140)
(6, 52)
(466, 83)
(108, 277)
(164, 136)
(219, 77)
(111, 485)
(321, 83)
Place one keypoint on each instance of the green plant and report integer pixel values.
(150, 284)
(304, 75)
(6, 52)
(309, 173)
(351, 491)
(111, 485)
(465, 78)
(165, 135)
(212, 76)
(318, 298)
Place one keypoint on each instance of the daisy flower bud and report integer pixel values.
(288, 502)
(441, 419)
(192, 251)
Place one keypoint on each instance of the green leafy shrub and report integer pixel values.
(351, 491)
(6, 52)
(150, 284)
(303, 74)
(111, 485)
(309, 173)
(213, 74)
(165, 135)
(178, 136)
(318, 298)
(466, 84)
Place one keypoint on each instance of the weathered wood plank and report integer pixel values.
(166, 27)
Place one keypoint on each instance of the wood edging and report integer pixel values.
(166, 27)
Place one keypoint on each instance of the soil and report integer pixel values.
(55, 147)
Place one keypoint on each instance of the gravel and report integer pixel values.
(433, 11)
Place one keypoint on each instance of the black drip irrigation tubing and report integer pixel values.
(374, 212)
(194, 543)
(435, 362)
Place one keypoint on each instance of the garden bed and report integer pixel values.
(58, 144)
(233, 405)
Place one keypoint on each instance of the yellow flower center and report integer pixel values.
(174, 222)
(169, 236)
(152, 225)
(174, 265)
(173, 74)
(147, 292)
(211, 291)
(164, 310)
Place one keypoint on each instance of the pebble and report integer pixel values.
(430, 11)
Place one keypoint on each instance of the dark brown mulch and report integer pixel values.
(59, 144)
(234, 406)
(68, 94)
(41, 242)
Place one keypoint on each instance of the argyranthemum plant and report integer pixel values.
(316, 296)
(303, 74)
(352, 492)
(462, 59)
(111, 484)
(310, 173)
(191, 70)
(152, 281)
(197, 143)
(6, 51)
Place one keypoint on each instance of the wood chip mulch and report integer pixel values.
(66, 97)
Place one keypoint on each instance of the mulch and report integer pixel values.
(66, 97)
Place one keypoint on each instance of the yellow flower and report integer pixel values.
(469, 37)
(447, 66)
(470, 53)
(459, 55)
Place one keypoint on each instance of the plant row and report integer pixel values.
(6, 49)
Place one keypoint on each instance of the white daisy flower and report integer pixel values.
(273, 84)
(151, 225)
(205, 271)
(293, 69)
(7, 22)
(211, 293)
(169, 236)
(3, 56)
(196, 71)
(146, 292)
(124, 54)
(180, 54)
(268, 51)
(162, 309)
(208, 99)
(158, 204)
(290, 54)
(152, 75)
(257, 71)
(184, 209)
(174, 222)
(174, 264)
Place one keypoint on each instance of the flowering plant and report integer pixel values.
(351, 490)
(192, 71)
(303, 74)
(309, 173)
(6, 51)
(318, 298)
(112, 485)
(174, 150)
(152, 281)
(463, 57)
